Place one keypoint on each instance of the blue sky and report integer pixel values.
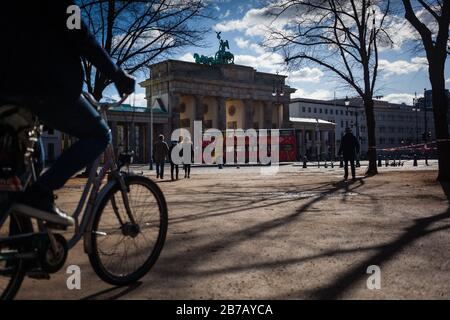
(402, 71)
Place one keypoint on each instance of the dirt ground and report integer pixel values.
(298, 234)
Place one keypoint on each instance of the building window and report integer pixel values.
(315, 110)
(303, 109)
(331, 111)
(342, 112)
(320, 110)
(342, 123)
(326, 111)
(309, 109)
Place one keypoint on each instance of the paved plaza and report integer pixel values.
(239, 233)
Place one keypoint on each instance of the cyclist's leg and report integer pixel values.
(81, 120)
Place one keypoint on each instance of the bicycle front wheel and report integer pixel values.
(125, 250)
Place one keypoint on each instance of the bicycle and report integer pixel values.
(115, 217)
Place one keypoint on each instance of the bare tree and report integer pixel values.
(138, 32)
(435, 42)
(341, 36)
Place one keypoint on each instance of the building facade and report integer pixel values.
(223, 96)
(396, 125)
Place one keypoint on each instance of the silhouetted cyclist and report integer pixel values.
(349, 148)
(41, 62)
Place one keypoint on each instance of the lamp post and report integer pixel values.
(150, 166)
(416, 110)
(425, 134)
(278, 90)
(317, 133)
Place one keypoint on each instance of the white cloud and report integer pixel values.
(226, 14)
(447, 81)
(246, 44)
(241, 43)
(306, 74)
(188, 57)
(319, 94)
(401, 31)
(254, 23)
(399, 98)
(265, 62)
(400, 67)
(136, 99)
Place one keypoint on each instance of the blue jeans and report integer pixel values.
(160, 169)
(78, 119)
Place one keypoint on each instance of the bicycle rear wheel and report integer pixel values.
(12, 272)
(124, 251)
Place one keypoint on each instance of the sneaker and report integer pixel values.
(39, 203)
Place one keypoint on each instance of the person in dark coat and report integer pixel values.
(160, 152)
(188, 146)
(349, 148)
(41, 68)
(174, 167)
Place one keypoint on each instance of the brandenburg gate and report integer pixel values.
(217, 92)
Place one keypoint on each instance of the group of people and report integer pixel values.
(162, 152)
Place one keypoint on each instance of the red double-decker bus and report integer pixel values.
(287, 148)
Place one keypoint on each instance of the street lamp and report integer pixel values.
(278, 91)
(425, 135)
(317, 133)
(347, 104)
(416, 110)
(150, 166)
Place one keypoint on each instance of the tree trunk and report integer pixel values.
(440, 110)
(372, 151)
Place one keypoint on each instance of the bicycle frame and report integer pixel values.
(90, 198)
(92, 195)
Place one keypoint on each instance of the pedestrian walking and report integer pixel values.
(160, 152)
(187, 146)
(349, 148)
(174, 167)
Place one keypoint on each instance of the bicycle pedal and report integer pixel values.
(38, 275)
